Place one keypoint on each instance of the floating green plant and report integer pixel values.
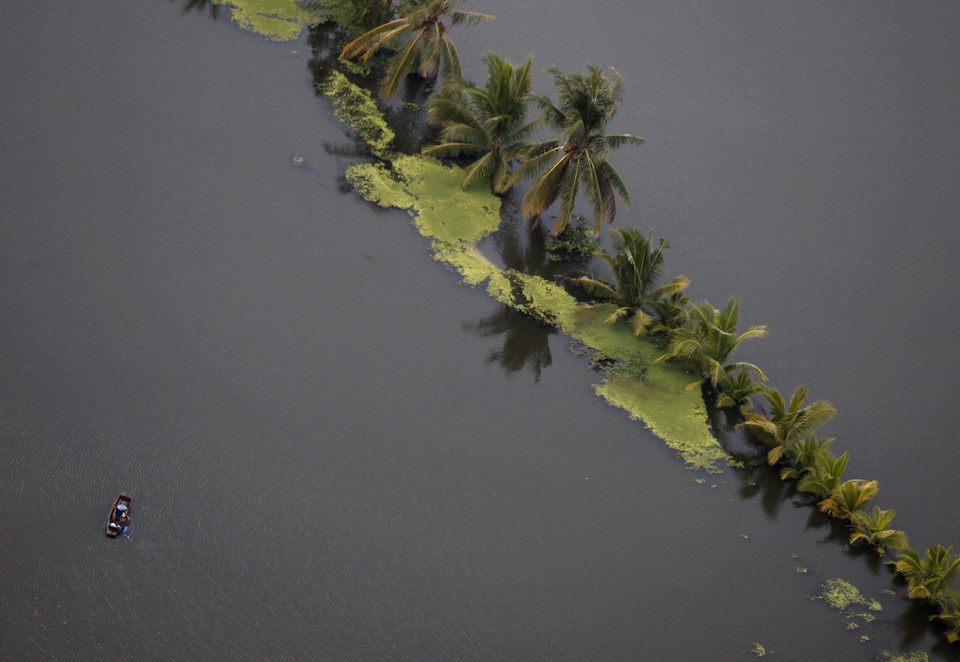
(455, 219)
(278, 20)
(355, 107)
(840, 594)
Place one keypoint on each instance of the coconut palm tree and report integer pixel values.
(578, 158)
(636, 267)
(874, 529)
(711, 339)
(486, 123)
(671, 314)
(824, 477)
(929, 577)
(848, 499)
(805, 454)
(736, 389)
(420, 39)
(787, 422)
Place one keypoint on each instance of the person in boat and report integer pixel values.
(121, 514)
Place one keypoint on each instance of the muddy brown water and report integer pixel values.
(337, 452)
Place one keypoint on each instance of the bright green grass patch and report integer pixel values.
(455, 219)
(279, 20)
(432, 192)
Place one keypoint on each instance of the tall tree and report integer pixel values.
(487, 123)
(578, 158)
(420, 39)
(711, 340)
(636, 266)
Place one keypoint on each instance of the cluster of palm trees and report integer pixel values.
(487, 125)
(707, 337)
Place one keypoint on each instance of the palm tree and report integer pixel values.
(736, 389)
(487, 123)
(420, 40)
(848, 499)
(671, 314)
(874, 529)
(787, 422)
(824, 477)
(578, 159)
(805, 454)
(711, 339)
(636, 266)
(927, 578)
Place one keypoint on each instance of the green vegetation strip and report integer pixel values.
(455, 219)
(278, 20)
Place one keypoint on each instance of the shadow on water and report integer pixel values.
(523, 246)
(526, 342)
(201, 6)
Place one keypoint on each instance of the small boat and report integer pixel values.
(119, 515)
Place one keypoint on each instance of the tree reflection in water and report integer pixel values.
(526, 342)
(200, 6)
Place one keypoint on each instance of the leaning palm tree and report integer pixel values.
(874, 529)
(710, 341)
(787, 422)
(420, 40)
(929, 577)
(578, 158)
(847, 500)
(636, 267)
(486, 123)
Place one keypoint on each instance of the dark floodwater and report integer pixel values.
(338, 453)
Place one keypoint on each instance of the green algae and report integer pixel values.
(278, 20)
(455, 219)
(355, 107)
(840, 594)
(431, 191)
(915, 656)
(758, 650)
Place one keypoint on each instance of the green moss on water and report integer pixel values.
(431, 191)
(758, 650)
(915, 656)
(355, 107)
(455, 219)
(840, 594)
(279, 20)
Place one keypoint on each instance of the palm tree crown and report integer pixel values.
(711, 339)
(420, 39)
(578, 159)
(486, 122)
(787, 423)
(929, 577)
(636, 266)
